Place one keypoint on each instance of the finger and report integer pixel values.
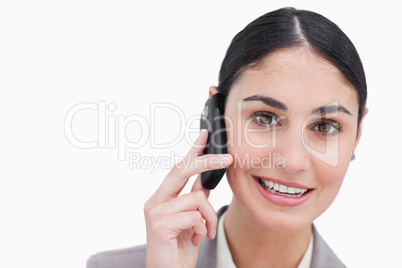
(172, 225)
(199, 144)
(197, 238)
(195, 201)
(200, 141)
(197, 186)
(202, 163)
(179, 175)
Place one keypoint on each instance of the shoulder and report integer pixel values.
(120, 258)
(323, 256)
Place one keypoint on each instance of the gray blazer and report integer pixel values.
(132, 257)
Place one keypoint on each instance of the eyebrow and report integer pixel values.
(322, 110)
(328, 109)
(268, 101)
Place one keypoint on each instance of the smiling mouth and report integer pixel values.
(282, 190)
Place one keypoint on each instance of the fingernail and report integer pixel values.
(226, 159)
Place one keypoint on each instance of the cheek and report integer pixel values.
(249, 150)
(244, 140)
(330, 180)
(331, 177)
(331, 167)
(248, 157)
(242, 153)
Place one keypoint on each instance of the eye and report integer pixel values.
(265, 118)
(327, 127)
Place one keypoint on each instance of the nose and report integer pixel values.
(290, 147)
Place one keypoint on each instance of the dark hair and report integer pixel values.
(286, 28)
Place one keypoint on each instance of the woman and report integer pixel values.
(295, 96)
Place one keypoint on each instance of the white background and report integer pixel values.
(59, 204)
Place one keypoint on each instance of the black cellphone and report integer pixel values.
(212, 119)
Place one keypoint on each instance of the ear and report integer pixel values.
(212, 91)
(359, 133)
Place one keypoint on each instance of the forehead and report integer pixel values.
(295, 76)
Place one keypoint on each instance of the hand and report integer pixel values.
(175, 224)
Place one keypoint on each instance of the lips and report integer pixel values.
(281, 193)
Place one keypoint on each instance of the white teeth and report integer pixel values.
(271, 186)
(276, 187)
(283, 189)
(291, 190)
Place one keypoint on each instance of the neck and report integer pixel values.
(253, 245)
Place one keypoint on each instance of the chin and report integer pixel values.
(281, 221)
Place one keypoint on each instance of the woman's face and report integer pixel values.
(292, 126)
